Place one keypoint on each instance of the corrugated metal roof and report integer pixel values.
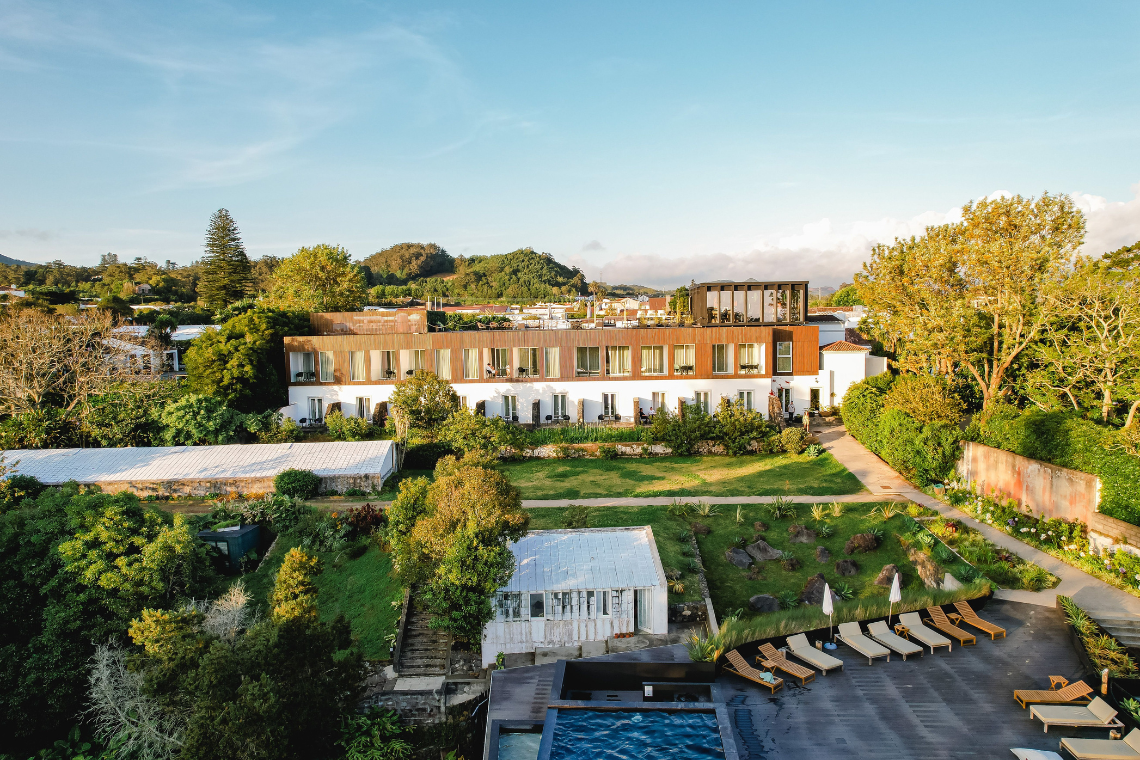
(587, 558)
(258, 460)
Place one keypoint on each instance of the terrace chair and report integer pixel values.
(774, 659)
(880, 633)
(812, 656)
(1077, 691)
(939, 620)
(737, 665)
(916, 630)
(1104, 749)
(852, 635)
(968, 616)
(1097, 714)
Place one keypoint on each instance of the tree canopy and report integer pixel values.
(318, 278)
(426, 401)
(409, 261)
(226, 269)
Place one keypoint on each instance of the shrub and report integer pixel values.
(813, 450)
(196, 419)
(683, 432)
(300, 484)
(272, 427)
(925, 398)
(343, 428)
(737, 426)
(467, 431)
(607, 451)
(425, 456)
(781, 507)
(792, 440)
(16, 488)
(366, 520)
(576, 517)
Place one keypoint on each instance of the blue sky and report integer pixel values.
(645, 142)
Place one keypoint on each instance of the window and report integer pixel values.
(326, 366)
(813, 395)
(528, 362)
(462, 402)
(590, 605)
(782, 305)
(641, 619)
(443, 363)
(617, 360)
(302, 367)
(755, 312)
(749, 358)
(419, 360)
(316, 409)
(509, 606)
(559, 407)
(501, 361)
(605, 595)
(609, 404)
(537, 606)
(653, 360)
(746, 398)
(658, 402)
(720, 359)
(769, 305)
(712, 298)
(383, 365)
(795, 312)
(702, 400)
(552, 364)
(356, 365)
(471, 369)
(784, 357)
(363, 407)
(560, 604)
(738, 305)
(587, 361)
(684, 359)
(510, 407)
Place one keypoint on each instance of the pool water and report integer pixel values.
(644, 735)
(519, 746)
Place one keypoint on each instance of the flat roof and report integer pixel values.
(255, 460)
(585, 558)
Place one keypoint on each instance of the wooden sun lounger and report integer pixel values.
(1097, 714)
(1104, 749)
(800, 647)
(916, 630)
(1077, 691)
(939, 620)
(737, 665)
(852, 635)
(971, 618)
(773, 658)
(880, 633)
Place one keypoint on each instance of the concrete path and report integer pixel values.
(664, 501)
(1092, 594)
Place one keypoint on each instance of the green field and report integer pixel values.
(757, 475)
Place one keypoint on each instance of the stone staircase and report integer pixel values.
(425, 651)
(1126, 630)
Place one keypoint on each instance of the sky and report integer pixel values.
(648, 143)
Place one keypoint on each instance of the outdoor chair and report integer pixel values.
(919, 632)
(967, 615)
(774, 659)
(737, 665)
(1097, 714)
(852, 635)
(1078, 691)
(880, 633)
(939, 620)
(812, 656)
(1104, 749)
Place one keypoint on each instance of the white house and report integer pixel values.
(842, 364)
(571, 586)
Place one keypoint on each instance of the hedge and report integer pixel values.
(300, 484)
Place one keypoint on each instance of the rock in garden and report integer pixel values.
(813, 590)
(801, 534)
(950, 583)
(927, 568)
(764, 603)
(861, 542)
(759, 526)
(701, 529)
(757, 537)
(887, 575)
(761, 551)
(754, 574)
(822, 554)
(688, 612)
(847, 567)
(791, 564)
(738, 557)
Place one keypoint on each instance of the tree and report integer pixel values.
(426, 400)
(319, 278)
(226, 272)
(598, 290)
(738, 426)
(969, 296)
(196, 420)
(467, 431)
(130, 414)
(294, 592)
(410, 261)
(847, 296)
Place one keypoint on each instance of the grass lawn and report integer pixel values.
(362, 589)
(755, 475)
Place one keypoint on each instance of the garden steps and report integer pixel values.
(1124, 630)
(425, 651)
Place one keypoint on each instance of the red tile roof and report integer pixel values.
(842, 345)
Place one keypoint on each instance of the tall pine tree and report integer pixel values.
(226, 275)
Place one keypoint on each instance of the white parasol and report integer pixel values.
(828, 608)
(896, 596)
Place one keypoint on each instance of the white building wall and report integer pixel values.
(839, 370)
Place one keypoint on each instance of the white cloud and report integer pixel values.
(1110, 224)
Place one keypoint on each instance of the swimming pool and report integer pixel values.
(629, 734)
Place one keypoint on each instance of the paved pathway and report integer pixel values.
(1092, 594)
(664, 501)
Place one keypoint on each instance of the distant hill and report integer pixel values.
(15, 262)
(521, 274)
(628, 291)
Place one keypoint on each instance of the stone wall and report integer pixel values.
(338, 483)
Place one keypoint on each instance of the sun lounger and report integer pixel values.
(919, 632)
(773, 658)
(812, 656)
(969, 617)
(737, 665)
(1078, 691)
(1104, 749)
(1097, 714)
(852, 635)
(880, 633)
(939, 620)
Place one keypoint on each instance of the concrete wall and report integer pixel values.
(1045, 489)
(339, 483)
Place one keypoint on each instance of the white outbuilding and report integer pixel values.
(577, 585)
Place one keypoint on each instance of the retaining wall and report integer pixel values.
(339, 483)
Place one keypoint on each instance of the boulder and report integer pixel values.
(886, 576)
(761, 551)
(801, 534)
(950, 583)
(738, 557)
(813, 590)
(822, 554)
(861, 542)
(791, 564)
(764, 603)
(846, 567)
(759, 526)
(701, 529)
(927, 568)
